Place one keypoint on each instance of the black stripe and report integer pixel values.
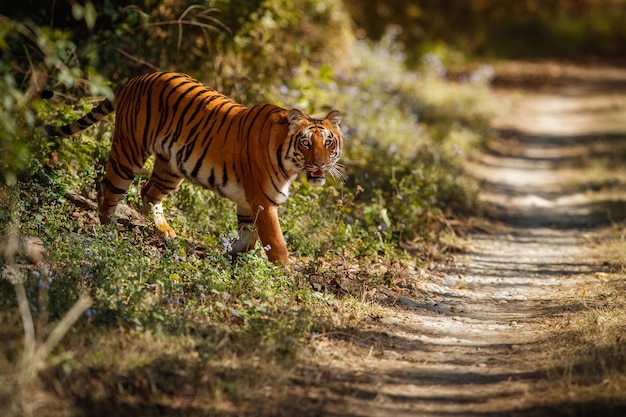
(95, 115)
(134, 155)
(279, 158)
(206, 142)
(232, 119)
(269, 168)
(269, 198)
(67, 130)
(123, 171)
(212, 178)
(236, 173)
(224, 176)
(226, 117)
(194, 133)
(196, 169)
(206, 120)
(112, 188)
(246, 127)
(148, 114)
(244, 219)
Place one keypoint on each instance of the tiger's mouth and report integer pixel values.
(316, 177)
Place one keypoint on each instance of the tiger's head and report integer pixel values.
(317, 145)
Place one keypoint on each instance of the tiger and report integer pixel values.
(250, 155)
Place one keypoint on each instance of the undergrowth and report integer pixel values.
(177, 326)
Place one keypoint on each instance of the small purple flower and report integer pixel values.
(226, 244)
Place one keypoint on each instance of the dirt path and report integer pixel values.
(480, 336)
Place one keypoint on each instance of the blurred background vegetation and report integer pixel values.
(498, 29)
(408, 122)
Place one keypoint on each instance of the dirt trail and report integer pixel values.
(476, 337)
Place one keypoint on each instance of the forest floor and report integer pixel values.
(519, 322)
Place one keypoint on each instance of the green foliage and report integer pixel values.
(406, 134)
(169, 287)
(14, 120)
(226, 43)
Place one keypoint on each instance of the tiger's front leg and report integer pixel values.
(271, 234)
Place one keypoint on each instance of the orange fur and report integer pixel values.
(249, 155)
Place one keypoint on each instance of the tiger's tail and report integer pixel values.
(98, 113)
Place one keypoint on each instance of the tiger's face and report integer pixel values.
(317, 145)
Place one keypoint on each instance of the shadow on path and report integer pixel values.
(552, 181)
(475, 338)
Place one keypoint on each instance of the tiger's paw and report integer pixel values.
(160, 224)
(165, 231)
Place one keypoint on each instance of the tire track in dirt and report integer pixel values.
(476, 337)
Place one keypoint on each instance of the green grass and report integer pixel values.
(159, 306)
(182, 304)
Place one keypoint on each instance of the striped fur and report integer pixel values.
(249, 155)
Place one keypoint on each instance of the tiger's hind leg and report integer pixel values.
(162, 182)
(120, 171)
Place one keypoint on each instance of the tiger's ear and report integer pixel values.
(334, 117)
(295, 116)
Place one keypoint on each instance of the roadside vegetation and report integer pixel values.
(175, 325)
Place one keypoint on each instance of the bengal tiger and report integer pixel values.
(248, 155)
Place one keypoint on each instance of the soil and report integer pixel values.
(480, 335)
